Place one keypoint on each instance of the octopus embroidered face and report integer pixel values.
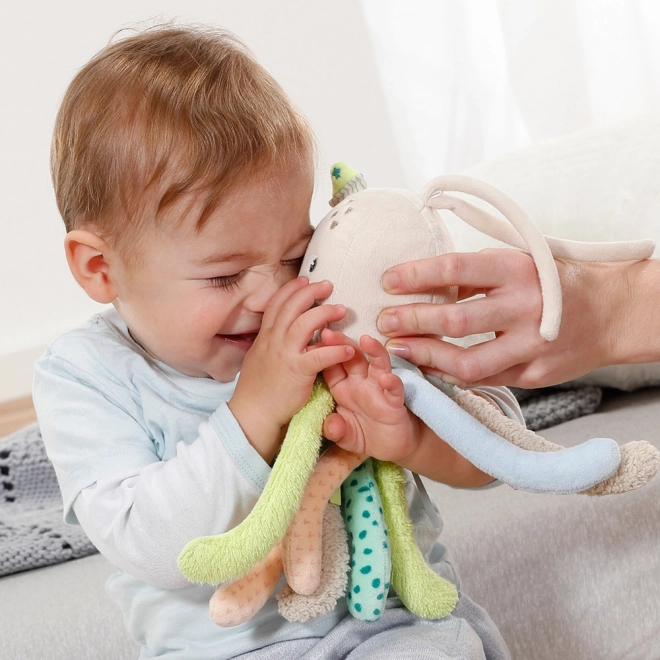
(364, 235)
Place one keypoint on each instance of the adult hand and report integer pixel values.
(592, 326)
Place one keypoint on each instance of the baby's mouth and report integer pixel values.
(242, 339)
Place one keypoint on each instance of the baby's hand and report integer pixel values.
(371, 417)
(280, 368)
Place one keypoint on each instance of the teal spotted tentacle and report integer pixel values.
(371, 565)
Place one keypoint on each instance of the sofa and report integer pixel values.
(571, 576)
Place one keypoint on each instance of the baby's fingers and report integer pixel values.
(321, 358)
(379, 358)
(392, 387)
(334, 427)
(292, 301)
(303, 328)
(334, 374)
(357, 366)
(342, 430)
(334, 338)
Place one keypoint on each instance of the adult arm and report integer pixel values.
(610, 316)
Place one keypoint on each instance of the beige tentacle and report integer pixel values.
(236, 602)
(334, 574)
(497, 228)
(640, 462)
(522, 233)
(301, 549)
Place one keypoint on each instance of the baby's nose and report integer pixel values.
(263, 289)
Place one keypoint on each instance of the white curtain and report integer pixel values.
(466, 81)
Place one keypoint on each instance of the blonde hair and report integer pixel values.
(162, 113)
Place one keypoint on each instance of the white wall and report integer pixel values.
(469, 81)
(319, 51)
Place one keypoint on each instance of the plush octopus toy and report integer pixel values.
(362, 544)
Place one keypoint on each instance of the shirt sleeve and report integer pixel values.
(503, 398)
(143, 488)
(141, 520)
(94, 427)
(90, 425)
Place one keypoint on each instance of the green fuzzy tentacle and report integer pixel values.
(371, 565)
(228, 556)
(422, 591)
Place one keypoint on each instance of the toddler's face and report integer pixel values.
(197, 300)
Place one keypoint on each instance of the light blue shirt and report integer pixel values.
(106, 408)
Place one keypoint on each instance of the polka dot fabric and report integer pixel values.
(369, 546)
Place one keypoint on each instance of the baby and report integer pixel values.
(184, 176)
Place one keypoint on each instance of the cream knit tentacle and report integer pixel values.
(434, 197)
(497, 228)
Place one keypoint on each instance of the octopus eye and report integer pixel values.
(312, 265)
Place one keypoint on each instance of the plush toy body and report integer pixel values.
(368, 232)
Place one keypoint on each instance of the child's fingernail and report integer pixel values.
(390, 281)
(398, 349)
(388, 323)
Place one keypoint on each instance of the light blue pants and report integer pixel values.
(468, 634)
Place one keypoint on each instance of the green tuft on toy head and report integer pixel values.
(345, 181)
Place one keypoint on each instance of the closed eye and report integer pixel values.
(226, 282)
(229, 282)
(297, 262)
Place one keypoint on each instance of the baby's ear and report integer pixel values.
(87, 256)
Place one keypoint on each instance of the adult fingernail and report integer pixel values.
(390, 281)
(452, 381)
(398, 349)
(388, 323)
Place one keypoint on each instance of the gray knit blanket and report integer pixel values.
(32, 531)
(550, 406)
